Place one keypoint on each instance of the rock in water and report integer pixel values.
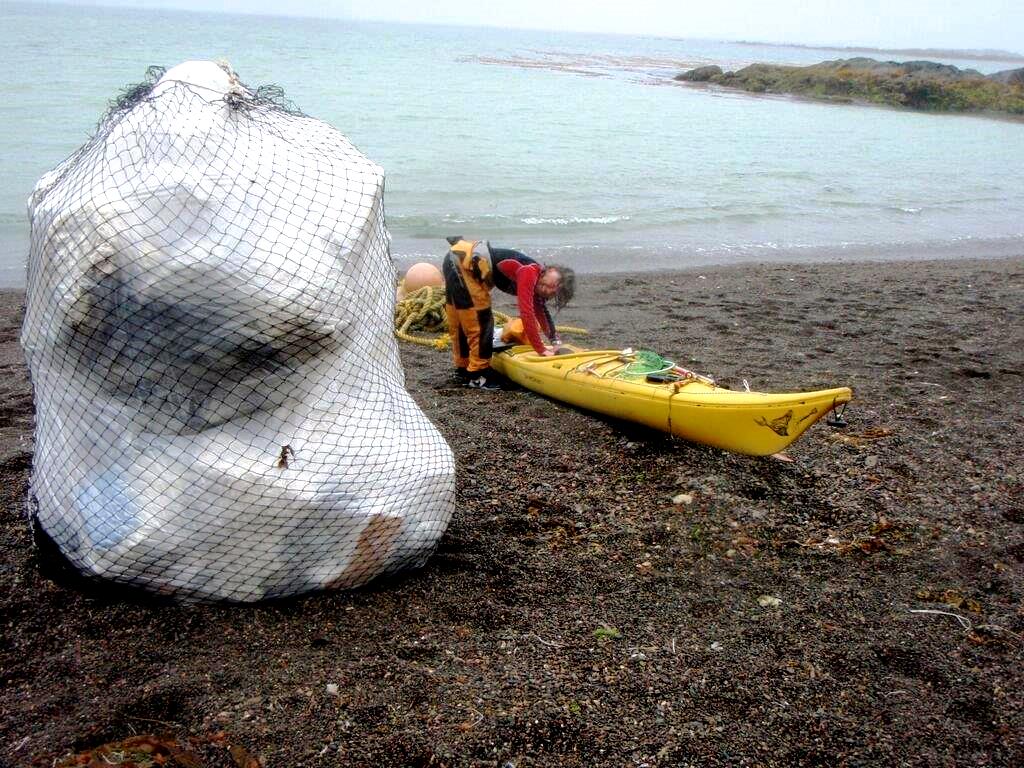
(700, 74)
(221, 405)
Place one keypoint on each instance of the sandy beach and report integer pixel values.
(607, 595)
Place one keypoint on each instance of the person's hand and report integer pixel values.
(548, 352)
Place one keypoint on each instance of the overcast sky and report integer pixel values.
(877, 23)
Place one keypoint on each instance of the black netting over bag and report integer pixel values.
(221, 410)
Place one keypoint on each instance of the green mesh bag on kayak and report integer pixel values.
(643, 363)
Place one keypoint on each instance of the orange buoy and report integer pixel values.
(422, 274)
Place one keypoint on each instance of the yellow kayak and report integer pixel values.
(672, 400)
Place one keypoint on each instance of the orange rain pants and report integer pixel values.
(467, 283)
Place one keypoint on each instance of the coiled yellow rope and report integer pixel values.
(422, 311)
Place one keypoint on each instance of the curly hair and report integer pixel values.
(566, 286)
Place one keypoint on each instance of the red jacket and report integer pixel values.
(517, 274)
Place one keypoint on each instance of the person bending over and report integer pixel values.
(471, 269)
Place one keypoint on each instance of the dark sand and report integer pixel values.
(574, 615)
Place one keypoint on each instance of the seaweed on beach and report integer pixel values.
(609, 596)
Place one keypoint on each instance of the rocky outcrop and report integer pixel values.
(700, 74)
(924, 85)
(1009, 76)
(921, 68)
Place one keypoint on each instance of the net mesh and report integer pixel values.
(221, 411)
(644, 362)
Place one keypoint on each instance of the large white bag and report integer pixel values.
(221, 411)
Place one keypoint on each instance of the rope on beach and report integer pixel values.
(422, 312)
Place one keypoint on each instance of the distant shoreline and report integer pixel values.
(946, 53)
(614, 258)
(611, 260)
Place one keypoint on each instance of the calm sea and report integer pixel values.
(576, 148)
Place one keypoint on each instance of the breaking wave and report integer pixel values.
(559, 221)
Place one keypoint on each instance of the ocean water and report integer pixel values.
(576, 148)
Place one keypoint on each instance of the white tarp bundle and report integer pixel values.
(221, 411)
